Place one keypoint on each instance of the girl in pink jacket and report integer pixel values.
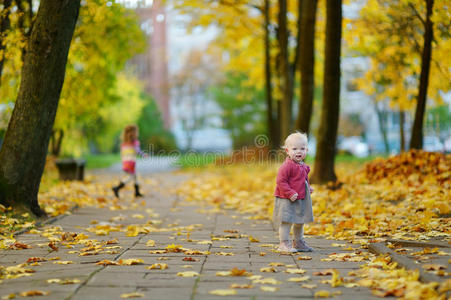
(293, 204)
(130, 149)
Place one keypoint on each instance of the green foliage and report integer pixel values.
(438, 119)
(153, 136)
(196, 160)
(96, 161)
(97, 99)
(243, 109)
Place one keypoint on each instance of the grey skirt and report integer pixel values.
(299, 211)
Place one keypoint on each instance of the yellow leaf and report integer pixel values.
(268, 280)
(241, 286)
(309, 286)
(63, 262)
(150, 243)
(224, 292)
(188, 274)
(322, 294)
(107, 262)
(276, 264)
(304, 258)
(266, 288)
(158, 266)
(268, 269)
(225, 253)
(53, 280)
(299, 279)
(132, 295)
(130, 261)
(295, 271)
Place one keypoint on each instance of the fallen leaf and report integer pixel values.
(107, 262)
(130, 261)
(225, 253)
(132, 295)
(33, 293)
(322, 294)
(53, 246)
(188, 274)
(269, 280)
(299, 279)
(158, 266)
(324, 272)
(433, 267)
(241, 286)
(63, 262)
(188, 258)
(309, 286)
(18, 246)
(223, 292)
(295, 271)
(266, 288)
(304, 258)
(150, 243)
(276, 264)
(268, 270)
(36, 259)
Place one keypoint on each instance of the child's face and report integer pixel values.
(297, 149)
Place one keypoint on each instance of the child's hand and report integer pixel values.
(294, 197)
(311, 189)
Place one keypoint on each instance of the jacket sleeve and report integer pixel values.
(282, 181)
(138, 150)
(307, 171)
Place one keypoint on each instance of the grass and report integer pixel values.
(199, 160)
(98, 161)
(196, 160)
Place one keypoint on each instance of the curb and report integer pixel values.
(402, 261)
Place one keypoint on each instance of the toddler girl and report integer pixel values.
(293, 205)
(129, 150)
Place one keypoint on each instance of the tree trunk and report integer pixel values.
(24, 18)
(307, 64)
(285, 79)
(382, 118)
(416, 140)
(402, 140)
(4, 26)
(23, 154)
(324, 170)
(268, 87)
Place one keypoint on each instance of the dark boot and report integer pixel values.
(117, 188)
(137, 193)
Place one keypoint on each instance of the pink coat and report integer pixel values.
(291, 179)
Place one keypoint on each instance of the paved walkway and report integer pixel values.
(225, 231)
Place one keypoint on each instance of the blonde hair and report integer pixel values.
(130, 134)
(295, 135)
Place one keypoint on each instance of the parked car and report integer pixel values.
(354, 145)
(433, 144)
(447, 145)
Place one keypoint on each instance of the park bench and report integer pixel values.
(70, 168)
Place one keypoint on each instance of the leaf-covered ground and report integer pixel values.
(404, 197)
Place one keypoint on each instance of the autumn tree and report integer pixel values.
(23, 153)
(306, 64)
(416, 141)
(389, 33)
(327, 136)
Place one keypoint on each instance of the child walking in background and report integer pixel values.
(130, 149)
(293, 204)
